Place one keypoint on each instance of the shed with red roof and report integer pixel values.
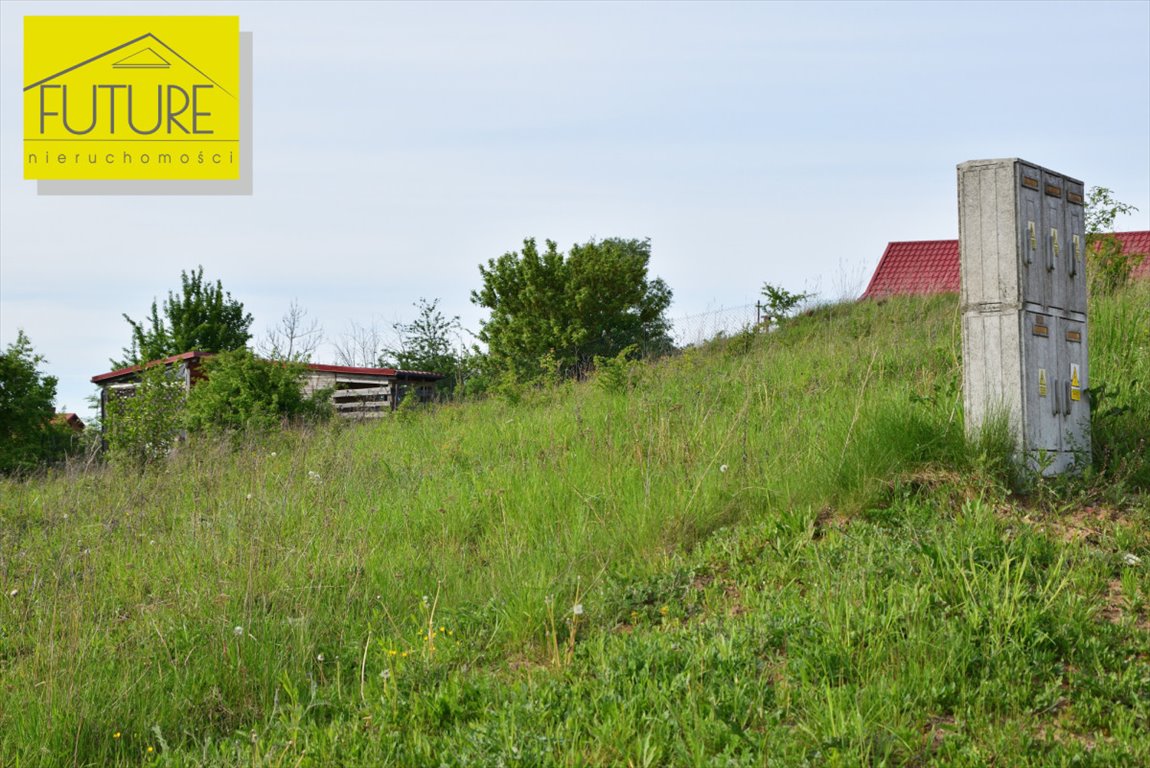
(356, 392)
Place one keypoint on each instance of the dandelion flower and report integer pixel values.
(385, 674)
(151, 749)
(248, 497)
(1131, 559)
(578, 609)
(723, 468)
(238, 630)
(314, 476)
(13, 593)
(319, 657)
(272, 454)
(116, 735)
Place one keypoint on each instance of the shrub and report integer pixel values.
(244, 392)
(143, 426)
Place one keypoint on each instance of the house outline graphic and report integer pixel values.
(122, 46)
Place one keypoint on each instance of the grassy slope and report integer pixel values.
(782, 546)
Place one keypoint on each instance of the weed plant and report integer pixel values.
(777, 549)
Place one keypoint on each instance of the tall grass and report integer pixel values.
(397, 592)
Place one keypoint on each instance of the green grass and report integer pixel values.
(784, 549)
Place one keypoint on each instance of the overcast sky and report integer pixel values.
(397, 147)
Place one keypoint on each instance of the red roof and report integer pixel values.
(71, 420)
(122, 372)
(931, 266)
(389, 372)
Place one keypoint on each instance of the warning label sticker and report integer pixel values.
(1075, 383)
(1042, 382)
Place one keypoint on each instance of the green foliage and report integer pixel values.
(431, 343)
(781, 302)
(596, 300)
(203, 318)
(1108, 265)
(619, 373)
(241, 392)
(141, 427)
(28, 437)
(1102, 210)
(1120, 390)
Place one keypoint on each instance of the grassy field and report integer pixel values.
(776, 550)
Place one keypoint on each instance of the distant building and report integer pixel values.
(69, 420)
(357, 393)
(931, 266)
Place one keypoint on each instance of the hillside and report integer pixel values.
(777, 549)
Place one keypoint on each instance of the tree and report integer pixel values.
(1108, 266)
(565, 310)
(241, 392)
(780, 302)
(431, 342)
(27, 435)
(360, 347)
(294, 339)
(202, 318)
(142, 426)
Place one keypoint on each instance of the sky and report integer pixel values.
(396, 147)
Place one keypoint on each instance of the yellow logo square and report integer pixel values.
(131, 97)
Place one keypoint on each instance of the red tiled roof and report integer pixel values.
(1137, 242)
(931, 266)
(918, 266)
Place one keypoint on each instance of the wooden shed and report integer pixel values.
(357, 393)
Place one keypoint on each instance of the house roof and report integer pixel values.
(395, 373)
(121, 373)
(69, 420)
(931, 266)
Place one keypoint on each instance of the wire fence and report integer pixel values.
(689, 330)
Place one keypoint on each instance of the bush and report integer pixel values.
(244, 392)
(143, 426)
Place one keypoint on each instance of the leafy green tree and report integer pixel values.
(1108, 265)
(142, 427)
(203, 317)
(556, 311)
(27, 435)
(431, 342)
(242, 392)
(780, 302)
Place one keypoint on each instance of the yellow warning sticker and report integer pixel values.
(1075, 383)
(1042, 382)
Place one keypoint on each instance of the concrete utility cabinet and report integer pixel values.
(1022, 249)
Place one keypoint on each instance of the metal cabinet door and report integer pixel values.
(1032, 269)
(1074, 381)
(1076, 247)
(1042, 403)
(1054, 241)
